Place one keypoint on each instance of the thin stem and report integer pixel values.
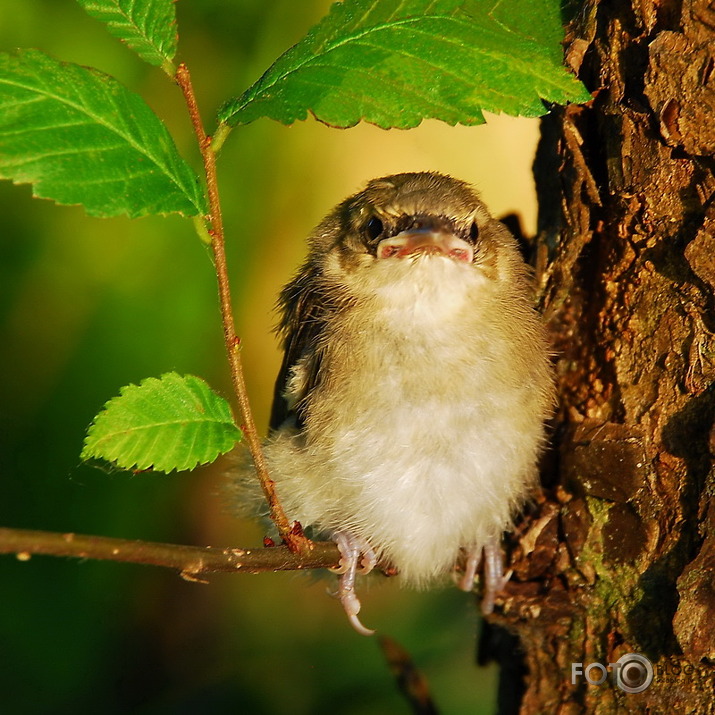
(167, 66)
(410, 681)
(191, 561)
(291, 534)
(202, 230)
(219, 137)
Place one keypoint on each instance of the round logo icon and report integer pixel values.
(634, 673)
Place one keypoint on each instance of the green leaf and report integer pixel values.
(147, 26)
(395, 62)
(80, 137)
(165, 423)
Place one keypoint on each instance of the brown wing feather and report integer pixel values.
(302, 324)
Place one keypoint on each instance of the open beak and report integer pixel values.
(425, 241)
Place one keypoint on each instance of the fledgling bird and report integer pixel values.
(409, 410)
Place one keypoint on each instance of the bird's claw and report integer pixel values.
(351, 563)
(494, 576)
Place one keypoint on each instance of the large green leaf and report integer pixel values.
(147, 26)
(396, 62)
(165, 423)
(80, 137)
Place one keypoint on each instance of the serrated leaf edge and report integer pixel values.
(82, 109)
(94, 453)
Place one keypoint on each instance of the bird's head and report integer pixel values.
(411, 216)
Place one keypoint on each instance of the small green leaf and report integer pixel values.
(165, 423)
(80, 137)
(147, 26)
(394, 63)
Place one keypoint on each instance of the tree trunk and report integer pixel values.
(618, 556)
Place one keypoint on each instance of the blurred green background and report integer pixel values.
(89, 305)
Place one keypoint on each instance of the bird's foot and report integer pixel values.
(356, 556)
(494, 576)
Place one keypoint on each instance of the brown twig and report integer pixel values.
(192, 562)
(410, 681)
(291, 534)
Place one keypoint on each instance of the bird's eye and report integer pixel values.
(374, 227)
(474, 231)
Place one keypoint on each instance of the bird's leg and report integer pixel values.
(494, 577)
(474, 557)
(351, 548)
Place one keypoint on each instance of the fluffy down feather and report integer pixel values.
(410, 407)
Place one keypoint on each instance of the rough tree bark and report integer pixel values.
(619, 555)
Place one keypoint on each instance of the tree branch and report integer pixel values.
(410, 681)
(291, 534)
(191, 561)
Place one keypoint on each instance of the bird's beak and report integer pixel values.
(426, 241)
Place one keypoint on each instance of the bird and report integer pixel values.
(410, 408)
